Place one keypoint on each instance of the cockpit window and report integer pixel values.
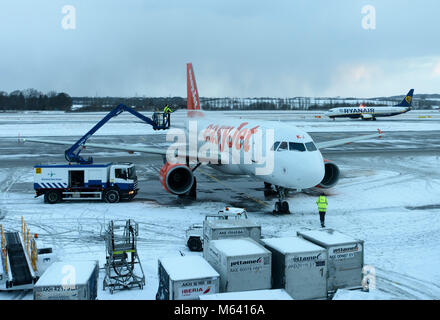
(296, 146)
(275, 146)
(311, 146)
(283, 146)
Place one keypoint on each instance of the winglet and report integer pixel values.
(380, 133)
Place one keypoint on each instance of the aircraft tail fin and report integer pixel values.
(192, 95)
(407, 101)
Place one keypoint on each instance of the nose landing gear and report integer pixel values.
(281, 206)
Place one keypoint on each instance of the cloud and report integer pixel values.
(384, 77)
(244, 49)
(436, 70)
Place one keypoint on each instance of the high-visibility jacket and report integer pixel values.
(322, 203)
(167, 109)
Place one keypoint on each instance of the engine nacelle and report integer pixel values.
(331, 175)
(176, 178)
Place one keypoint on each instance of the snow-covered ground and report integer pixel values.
(390, 202)
(39, 124)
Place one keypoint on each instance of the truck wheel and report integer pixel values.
(111, 196)
(194, 244)
(52, 197)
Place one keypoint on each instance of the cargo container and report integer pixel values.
(70, 280)
(227, 229)
(298, 266)
(243, 264)
(345, 256)
(186, 278)
(275, 294)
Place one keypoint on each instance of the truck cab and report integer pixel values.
(123, 177)
(109, 182)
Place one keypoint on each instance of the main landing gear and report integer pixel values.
(281, 206)
(192, 193)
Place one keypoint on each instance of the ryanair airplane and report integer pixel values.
(370, 113)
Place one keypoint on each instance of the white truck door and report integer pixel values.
(119, 174)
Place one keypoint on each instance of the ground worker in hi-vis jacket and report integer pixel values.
(167, 109)
(322, 203)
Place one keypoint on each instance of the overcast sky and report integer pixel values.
(246, 48)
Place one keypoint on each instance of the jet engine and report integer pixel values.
(176, 178)
(331, 175)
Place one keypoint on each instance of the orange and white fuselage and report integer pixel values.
(246, 147)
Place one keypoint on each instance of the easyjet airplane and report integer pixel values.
(371, 113)
(292, 159)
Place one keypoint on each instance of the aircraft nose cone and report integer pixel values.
(313, 171)
(304, 173)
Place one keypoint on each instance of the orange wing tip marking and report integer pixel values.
(380, 132)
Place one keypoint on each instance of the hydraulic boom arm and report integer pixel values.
(72, 154)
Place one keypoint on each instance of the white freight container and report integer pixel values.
(243, 264)
(70, 280)
(298, 266)
(186, 278)
(345, 256)
(275, 294)
(227, 229)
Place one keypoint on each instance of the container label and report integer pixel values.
(232, 233)
(243, 265)
(193, 289)
(57, 293)
(306, 261)
(344, 252)
(259, 260)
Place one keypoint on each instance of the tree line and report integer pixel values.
(31, 99)
(139, 103)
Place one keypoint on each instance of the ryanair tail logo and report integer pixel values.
(408, 99)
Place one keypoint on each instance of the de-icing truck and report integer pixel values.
(109, 182)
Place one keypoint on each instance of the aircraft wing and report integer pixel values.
(128, 148)
(151, 150)
(338, 142)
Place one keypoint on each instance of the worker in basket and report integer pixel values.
(167, 111)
